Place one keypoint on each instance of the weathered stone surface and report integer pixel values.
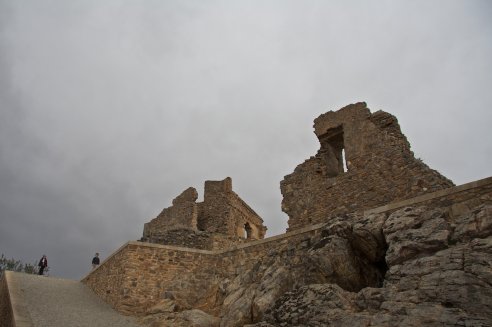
(198, 318)
(183, 214)
(334, 257)
(378, 168)
(415, 232)
(187, 318)
(315, 304)
(473, 223)
(423, 261)
(165, 305)
(188, 195)
(430, 281)
(196, 239)
(221, 220)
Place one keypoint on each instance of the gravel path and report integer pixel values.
(53, 302)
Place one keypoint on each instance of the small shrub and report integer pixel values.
(17, 266)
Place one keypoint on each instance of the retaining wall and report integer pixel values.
(6, 314)
(139, 274)
(13, 311)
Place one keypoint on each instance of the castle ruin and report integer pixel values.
(222, 219)
(375, 238)
(364, 161)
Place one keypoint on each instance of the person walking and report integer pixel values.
(95, 261)
(43, 263)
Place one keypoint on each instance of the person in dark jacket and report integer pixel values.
(95, 261)
(43, 263)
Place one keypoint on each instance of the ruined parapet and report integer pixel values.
(214, 211)
(221, 220)
(223, 211)
(364, 161)
(183, 214)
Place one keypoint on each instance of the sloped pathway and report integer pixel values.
(52, 302)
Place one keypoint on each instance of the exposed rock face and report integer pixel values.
(417, 266)
(349, 257)
(183, 214)
(436, 277)
(187, 318)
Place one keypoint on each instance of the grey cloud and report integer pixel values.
(109, 110)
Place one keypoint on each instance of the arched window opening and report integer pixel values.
(249, 230)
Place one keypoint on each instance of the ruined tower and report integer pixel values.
(364, 161)
(222, 219)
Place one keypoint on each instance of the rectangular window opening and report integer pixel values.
(333, 151)
(344, 162)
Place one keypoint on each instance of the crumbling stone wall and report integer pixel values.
(215, 212)
(240, 284)
(183, 214)
(222, 219)
(223, 211)
(375, 237)
(364, 161)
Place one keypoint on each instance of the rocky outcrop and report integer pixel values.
(342, 255)
(186, 318)
(440, 273)
(413, 267)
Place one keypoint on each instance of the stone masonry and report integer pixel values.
(375, 238)
(355, 255)
(221, 220)
(378, 168)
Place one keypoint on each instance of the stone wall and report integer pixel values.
(371, 231)
(237, 283)
(139, 274)
(364, 161)
(214, 211)
(6, 314)
(194, 239)
(247, 223)
(459, 198)
(243, 257)
(115, 274)
(222, 218)
(223, 211)
(183, 214)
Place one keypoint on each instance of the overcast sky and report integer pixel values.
(109, 109)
